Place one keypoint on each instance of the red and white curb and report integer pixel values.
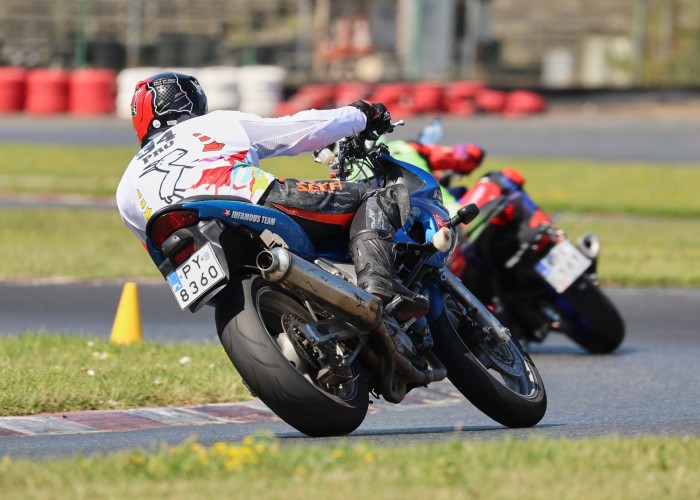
(82, 422)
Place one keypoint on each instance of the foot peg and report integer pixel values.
(402, 309)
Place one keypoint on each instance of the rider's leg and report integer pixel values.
(374, 252)
(325, 207)
(321, 208)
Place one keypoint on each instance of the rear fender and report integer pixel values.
(231, 227)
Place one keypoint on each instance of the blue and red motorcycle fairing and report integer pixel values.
(311, 344)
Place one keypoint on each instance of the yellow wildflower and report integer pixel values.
(219, 447)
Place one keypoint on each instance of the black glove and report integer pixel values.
(378, 119)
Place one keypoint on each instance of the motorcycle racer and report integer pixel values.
(187, 151)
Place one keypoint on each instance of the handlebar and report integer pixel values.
(354, 149)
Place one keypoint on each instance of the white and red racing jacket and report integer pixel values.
(218, 154)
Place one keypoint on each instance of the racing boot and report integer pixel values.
(374, 254)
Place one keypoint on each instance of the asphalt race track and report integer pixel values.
(651, 385)
(618, 138)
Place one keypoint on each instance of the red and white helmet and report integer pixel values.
(161, 101)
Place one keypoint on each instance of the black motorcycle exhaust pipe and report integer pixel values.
(353, 304)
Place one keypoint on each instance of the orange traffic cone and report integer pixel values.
(127, 323)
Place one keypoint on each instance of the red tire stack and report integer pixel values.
(47, 91)
(311, 95)
(13, 82)
(92, 92)
(490, 101)
(523, 102)
(427, 97)
(459, 97)
(397, 97)
(349, 92)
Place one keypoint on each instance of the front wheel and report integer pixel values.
(593, 320)
(253, 320)
(499, 379)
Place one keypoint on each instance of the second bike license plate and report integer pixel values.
(196, 276)
(562, 265)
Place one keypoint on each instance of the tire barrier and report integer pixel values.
(221, 85)
(427, 97)
(523, 102)
(13, 82)
(458, 98)
(311, 96)
(253, 89)
(397, 97)
(461, 98)
(47, 91)
(490, 101)
(92, 92)
(346, 93)
(261, 88)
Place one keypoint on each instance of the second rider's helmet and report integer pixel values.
(161, 101)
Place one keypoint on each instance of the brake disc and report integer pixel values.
(503, 359)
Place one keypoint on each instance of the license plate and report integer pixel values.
(196, 276)
(562, 265)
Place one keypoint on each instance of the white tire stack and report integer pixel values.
(220, 83)
(261, 89)
(253, 89)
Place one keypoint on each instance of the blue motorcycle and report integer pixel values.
(311, 344)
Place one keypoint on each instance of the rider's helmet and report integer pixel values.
(163, 100)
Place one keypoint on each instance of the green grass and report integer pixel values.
(70, 242)
(60, 169)
(637, 250)
(569, 185)
(589, 186)
(577, 185)
(642, 250)
(49, 373)
(536, 468)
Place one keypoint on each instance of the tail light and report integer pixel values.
(170, 222)
(183, 254)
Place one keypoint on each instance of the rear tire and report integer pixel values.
(249, 323)
(502, 382)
